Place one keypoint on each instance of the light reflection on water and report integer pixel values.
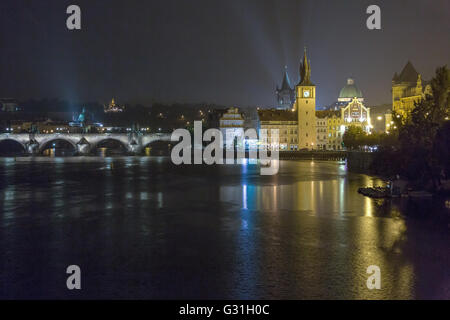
(368, 236)
(143, 228)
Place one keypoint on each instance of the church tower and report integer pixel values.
(285, 94)
(305, 105)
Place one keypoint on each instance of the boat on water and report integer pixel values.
(375, 192)
(385, 192)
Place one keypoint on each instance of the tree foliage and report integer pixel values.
(354, 137)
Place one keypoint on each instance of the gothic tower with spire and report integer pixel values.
(285, 94)
(305, 105)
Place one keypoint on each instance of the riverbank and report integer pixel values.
(313, 155)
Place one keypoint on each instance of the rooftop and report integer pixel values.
(408, 74)
(277, 115)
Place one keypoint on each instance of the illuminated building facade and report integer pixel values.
(338, 121)
(329, 130)
(408, 87)
(46, 126)
(321, 128)
(335, 131)
(286, 123)
(348, 111)
(356, 114)
(232, 122)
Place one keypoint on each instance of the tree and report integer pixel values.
(354, 137)
(441, 149)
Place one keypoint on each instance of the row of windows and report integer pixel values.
(290, 132)
(281, 134)
(330, 136)
(334, 121)
(292, 140)
(334, 134)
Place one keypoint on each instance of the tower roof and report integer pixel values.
(286, 84)
(305, 71)
(408, 74)
(350, 90)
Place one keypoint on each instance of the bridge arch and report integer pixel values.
(156, 144)
(157, 147)
(9, 145)
(44, 144)
(98, 144)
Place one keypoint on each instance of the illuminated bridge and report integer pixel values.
(83, 143)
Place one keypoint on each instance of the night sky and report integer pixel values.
(229, 52)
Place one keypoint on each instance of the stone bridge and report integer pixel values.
(84, 143)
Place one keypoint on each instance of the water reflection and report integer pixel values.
(321, 252)
(146, 228)
(316, 197)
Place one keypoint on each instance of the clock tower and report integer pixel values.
(305, 105)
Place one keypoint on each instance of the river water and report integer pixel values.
(140, 227)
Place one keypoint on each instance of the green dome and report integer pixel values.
(350, 91)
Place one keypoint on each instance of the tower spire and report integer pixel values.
(305, 71)
(286, 84)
